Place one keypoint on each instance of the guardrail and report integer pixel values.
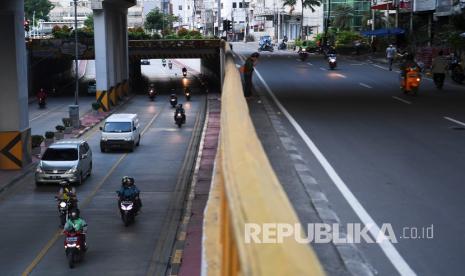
(245, 190)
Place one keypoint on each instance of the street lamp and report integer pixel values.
(74, 109)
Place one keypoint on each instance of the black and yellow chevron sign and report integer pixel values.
(13, 147)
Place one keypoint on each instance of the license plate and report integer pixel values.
(126, 202)
(71, 239)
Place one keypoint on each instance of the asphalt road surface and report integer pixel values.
(401, 157)
(29, 233)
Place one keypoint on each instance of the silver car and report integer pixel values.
(69, 159)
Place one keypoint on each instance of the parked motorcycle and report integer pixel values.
(411, 82)
(173, 100)
(74, 247)
(170, 65)
(332, 61)
(456, 70)
(265, 44)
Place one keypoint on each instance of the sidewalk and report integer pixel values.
(187, 253)
(88, 120)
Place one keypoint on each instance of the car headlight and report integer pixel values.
(72, 170)
(39, 169)
(127, 139)
(104, 139)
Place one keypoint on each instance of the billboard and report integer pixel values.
(444, 8)
(424, 5)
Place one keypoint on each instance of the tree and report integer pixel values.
(156, 20)
(343, 15)
(41, 8)
(89, 22)
(305, 4)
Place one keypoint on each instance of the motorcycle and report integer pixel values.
(74, 247)
(173, 100)
(179, 118)
(184, 72)
(456, 69)
(187, 93)
(163, 62)
(170, 65)
(282, 46)
(64, 206)
(152, 93)
(439, 80)
(127, 208)
(303, 55)
(411, 81)
(332, 61)
(42, 102)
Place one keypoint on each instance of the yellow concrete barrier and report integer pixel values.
(246, 190)
(103, 100)
(113, 96)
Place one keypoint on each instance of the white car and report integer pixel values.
(120, 131)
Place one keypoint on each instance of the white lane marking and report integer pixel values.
(45, 113)
(309, 63)
(389, 250)
(298, 59)
(364, 85)
(454, 121)
(323, 69)
(382, 67)
(402, 100)
(340, 75)
(357, 64)
(397, 71)
(238, 65)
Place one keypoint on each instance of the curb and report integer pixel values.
(351, 256)
(29, 168)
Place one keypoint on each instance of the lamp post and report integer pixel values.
(74, 109)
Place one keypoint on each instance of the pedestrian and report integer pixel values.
(439, 67)
(357, 45)
(248, 69)
(390, 55)
(373, 46)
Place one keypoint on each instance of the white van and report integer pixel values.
(120, 131)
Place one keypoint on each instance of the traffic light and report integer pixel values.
(228, 25)
(26, 25)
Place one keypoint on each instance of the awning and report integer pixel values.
(383, 32)
(384, 6)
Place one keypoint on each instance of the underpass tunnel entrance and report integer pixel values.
(166, 74)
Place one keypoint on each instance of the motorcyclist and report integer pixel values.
(67, 192)
(408, 63)
(439, 67)
(129, 190)
(180, 109)
(184, 71)
(41, 94)
(77, 224)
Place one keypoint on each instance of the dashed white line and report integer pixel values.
(323, 69)
(309, 63)
(386, 246)
(454, 121)
(382, 67)
(402, 100)
(340, 75)
(357, 64)
(364, 85)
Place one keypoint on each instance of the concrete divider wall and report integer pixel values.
(245, 190)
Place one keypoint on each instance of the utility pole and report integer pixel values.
(325, 39)
(244, 10)
(74, 109)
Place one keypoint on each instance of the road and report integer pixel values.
(29, 228)
(401, 157)
(45, 119)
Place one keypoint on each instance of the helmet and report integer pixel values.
(179, 105)
(173, 95)
(74, 214)
(127, 181)
(255, 55)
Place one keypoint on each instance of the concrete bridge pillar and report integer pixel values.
(15, 133)
(111, 51)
